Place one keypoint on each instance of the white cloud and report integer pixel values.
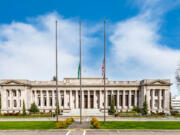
(27, 50)
(137, 52)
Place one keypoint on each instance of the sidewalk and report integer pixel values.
(87, 119)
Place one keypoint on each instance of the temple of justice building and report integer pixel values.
(126, 95)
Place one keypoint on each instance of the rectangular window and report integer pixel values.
(115, 100)
(156, 103)
(15, 103)
(50, 101)
(162, 103)
(162, 92)
(132, 100)
(39, 101)
(156, 93)
(62, 100)
(44, 101)
(120, 100)
(8, 93)
(14, 93)
(109, 100)
(127, 100)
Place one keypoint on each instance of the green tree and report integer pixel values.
(145, 107)
(24, 108)
(136, 109)
(34, 108)
(57, 108)
(112, 108)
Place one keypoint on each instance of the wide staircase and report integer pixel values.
(85, 112)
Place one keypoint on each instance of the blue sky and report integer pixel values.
(142, 38)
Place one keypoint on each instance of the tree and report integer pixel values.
(24, 108)
(57, 108)
(34, 108)
(112, 109)
(145, 107)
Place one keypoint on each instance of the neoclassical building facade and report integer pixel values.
(126, 95)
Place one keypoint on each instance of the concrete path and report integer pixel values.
(77, 125)
(109, 118)
(91, 132)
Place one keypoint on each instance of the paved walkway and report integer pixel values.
(77, 125)
(87, 119)
(90, 132)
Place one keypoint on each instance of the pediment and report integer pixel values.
(159, 82)
(12, 82)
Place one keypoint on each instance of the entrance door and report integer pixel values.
(85, 101)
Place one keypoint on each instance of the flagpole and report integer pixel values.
(56, 76)
(80, 73)
(104, 71)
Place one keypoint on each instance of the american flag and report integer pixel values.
(103, 68)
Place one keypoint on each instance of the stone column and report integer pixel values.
(88, 98)
(82, 99)
(106, 105)
(152, 100)
(77, 100)
(100, 98)
(166, 100)
(135, 98)
(53, 99)
(129, 99)
(148, 98)
(35, 97)
(47, 99)
(117, 99)
(123, 103)
(65, 103)
(10, 99)
(41, 99)
(94, 99)
(59, 99)
(70, 99)
(159, 99)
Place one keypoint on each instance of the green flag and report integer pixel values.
(79, 70)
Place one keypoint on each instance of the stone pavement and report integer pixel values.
(90, 132)
(109, 118)
(77, 125)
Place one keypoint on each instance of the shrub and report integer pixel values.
(93, 120)
(95, 123)
(34, 108)
(61, 124)
(112, 109)
(24, 108)
(69, 120)
(145, 107)
(65, 123)
(136, 109)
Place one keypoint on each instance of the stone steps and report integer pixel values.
(85, 112)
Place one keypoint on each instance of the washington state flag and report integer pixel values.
(79, 68)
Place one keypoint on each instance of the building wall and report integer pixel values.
(157, 93)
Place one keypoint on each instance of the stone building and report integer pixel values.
(126, 94)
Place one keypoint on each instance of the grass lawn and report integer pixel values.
(140, 125)
(5, 125)
(27, 116)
